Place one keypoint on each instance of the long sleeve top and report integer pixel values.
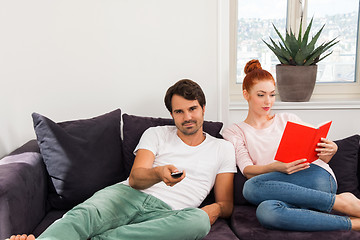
(258, 146)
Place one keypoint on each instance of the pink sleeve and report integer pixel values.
(235, 135)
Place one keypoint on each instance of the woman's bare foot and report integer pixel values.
(347, 203)
(22, 237)
(355, 222)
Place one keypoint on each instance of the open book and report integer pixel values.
(299, 141)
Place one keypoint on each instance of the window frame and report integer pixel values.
(322, 91)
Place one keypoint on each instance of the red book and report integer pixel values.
(300, 140)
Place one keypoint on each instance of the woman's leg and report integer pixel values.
(312, 188)
(274, 214)
(286, 201)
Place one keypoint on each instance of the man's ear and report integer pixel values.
(246, 95)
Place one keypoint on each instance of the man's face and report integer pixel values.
(188, 115)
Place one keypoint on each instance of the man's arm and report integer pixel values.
(143, 175)
(224, 199)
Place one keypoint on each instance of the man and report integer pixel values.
(151, 203)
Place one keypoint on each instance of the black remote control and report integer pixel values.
(176, 174)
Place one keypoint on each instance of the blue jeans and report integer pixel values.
(121, 212)
(298, 202)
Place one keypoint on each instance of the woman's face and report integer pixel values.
(261, 97)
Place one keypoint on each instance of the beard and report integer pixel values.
(190, 130)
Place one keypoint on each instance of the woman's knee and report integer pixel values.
(268, 214)
(325, 184)
(250, 191)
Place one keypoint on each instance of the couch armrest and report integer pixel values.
(23, 191)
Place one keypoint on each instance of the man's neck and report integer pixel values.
(193, 139)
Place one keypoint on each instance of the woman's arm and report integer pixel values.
(288, 168)
(326, 151)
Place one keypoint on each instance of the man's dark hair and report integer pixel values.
(187, 89)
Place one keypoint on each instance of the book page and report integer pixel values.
(310, 125)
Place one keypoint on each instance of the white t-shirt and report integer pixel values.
(258, 146)
(202, 163)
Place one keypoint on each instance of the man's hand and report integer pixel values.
(213, 211)
(164, 173)
(327, 150)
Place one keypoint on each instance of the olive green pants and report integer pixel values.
(121, 212)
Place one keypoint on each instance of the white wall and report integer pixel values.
(73, 59)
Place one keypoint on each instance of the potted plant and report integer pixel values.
(296, 75)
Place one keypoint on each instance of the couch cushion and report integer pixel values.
(49, 219)
(345, 165)
(220, 230)
(246, 226)
(81, 156)
(134, 126)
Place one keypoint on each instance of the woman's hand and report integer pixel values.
(327, 150)
(290, 168)
(277, 166)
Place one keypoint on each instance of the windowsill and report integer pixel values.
(312, 105)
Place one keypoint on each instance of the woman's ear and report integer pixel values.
(246, 95)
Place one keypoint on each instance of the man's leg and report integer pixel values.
(187, 224)
(108, 208)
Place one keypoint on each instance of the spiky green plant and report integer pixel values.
(297, 51)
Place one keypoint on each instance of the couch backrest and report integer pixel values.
(60, 139)
(30, 146)
(345, 162)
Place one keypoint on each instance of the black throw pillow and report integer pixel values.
(345, 165)
(81, 156)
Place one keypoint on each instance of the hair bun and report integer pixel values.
(252, 65)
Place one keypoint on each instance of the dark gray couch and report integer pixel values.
(38, 188)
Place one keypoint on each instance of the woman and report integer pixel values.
(295, 196)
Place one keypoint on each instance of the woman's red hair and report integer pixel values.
(254, 74)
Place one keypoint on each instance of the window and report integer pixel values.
(340, 21)
(255, 24)
(337, 74)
